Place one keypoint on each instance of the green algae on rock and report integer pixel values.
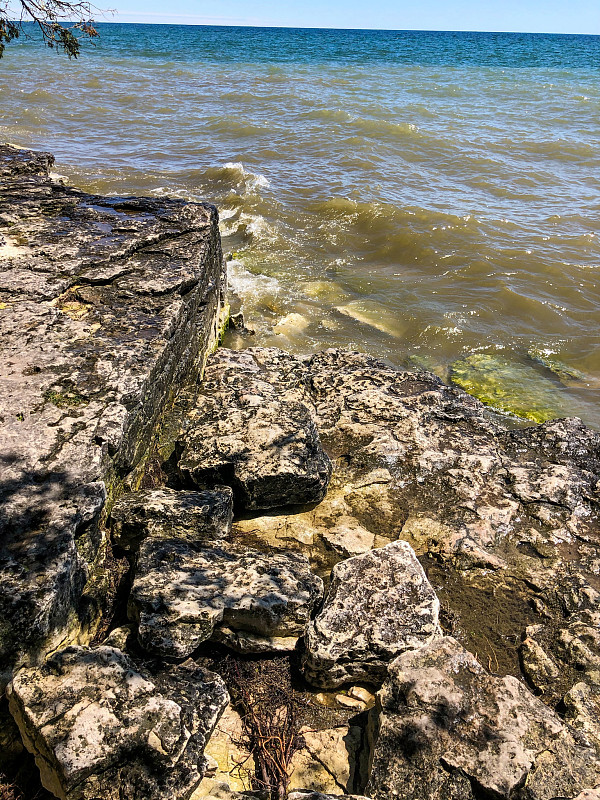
(507, 386)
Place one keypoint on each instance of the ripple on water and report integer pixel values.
(418, 196)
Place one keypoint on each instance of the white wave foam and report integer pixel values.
(249, 286)
(253, 180)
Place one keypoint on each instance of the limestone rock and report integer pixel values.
(106, 306)
(16, 161)
(234, 764)
(378, 605)
(99, 726)
(219, 790)
(249, 643)
(164, 512)
(554, 656)
(448, 729)
(505, 520)
(328, 760)
(263, 443)
(582, 704)
(183, 592)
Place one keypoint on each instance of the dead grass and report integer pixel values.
(272, 712)
(8, 791)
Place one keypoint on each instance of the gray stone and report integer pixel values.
(199, 516)
(378, 605)
(557, 655)
(106, 306)
(99, 726)
(449, 729)
(16, 161)
(183, 593)
(263, 443)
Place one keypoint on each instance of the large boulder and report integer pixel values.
(185, 593)
(200, 516)
(379, 604)
(100, 726)
(449, 729)
(106, 306)
(262, 442)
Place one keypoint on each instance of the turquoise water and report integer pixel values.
(432, 198)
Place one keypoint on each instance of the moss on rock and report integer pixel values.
(508, 386)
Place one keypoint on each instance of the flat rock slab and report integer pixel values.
(199, 516)
(449, 729)
(184, 594)
(379, 604)
(99, 726)
(106, 306)
(242, 431)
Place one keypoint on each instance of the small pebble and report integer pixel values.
(360, 693)
(350, 702)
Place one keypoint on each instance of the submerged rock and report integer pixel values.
(99, 726)
(569, 376)
(184, 594)
(106, 306)
(262, 442)
(378, 605)
(449, 729)
(508, 387)
(166, 513)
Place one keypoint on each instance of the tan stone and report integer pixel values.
(235, 765)
(350, 702)
(327, 762)
(360, 693)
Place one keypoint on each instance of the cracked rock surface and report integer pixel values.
(261, 440)
(199, 516)
(449, 729)
(106, 306)
(506, 521)
(184, 594)
(378, 605)
(101, 726)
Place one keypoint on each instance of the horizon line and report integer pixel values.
(274, 26)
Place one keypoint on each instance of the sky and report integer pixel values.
(543, 16)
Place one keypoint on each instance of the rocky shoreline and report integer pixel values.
(246, 573)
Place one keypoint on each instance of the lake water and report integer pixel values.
(430, 198)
